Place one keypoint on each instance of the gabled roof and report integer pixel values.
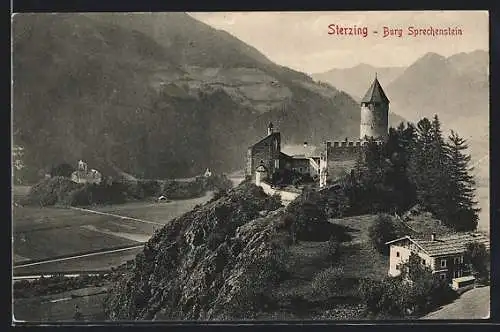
(265, 138)
(448, 244)
(285, 156)
(375, 94)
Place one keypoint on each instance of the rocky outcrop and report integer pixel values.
(215, 262)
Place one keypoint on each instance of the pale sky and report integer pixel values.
(300, 40)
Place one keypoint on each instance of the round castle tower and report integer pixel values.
(374, 113)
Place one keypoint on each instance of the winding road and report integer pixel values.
(473, 304)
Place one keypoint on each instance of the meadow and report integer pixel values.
(61, 307)
(46, 232)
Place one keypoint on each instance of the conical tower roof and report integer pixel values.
(375, 94)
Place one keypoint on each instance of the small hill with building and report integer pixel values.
(82, 189)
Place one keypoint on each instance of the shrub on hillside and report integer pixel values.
(382, 231)
(333, 248)
(325, 283)
(51, 191)
(217, 182)
(183, 190)
(273, 202)
(97, 194)
(63, 169)
(478, 259)
(151, 188)
(55, 284)
(310, 222)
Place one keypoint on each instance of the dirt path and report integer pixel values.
(473, 304)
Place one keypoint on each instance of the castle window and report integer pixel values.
(397, 253)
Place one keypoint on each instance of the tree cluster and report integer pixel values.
(415, 165)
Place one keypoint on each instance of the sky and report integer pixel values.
(300, 40)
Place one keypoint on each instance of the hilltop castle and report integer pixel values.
(265, 157)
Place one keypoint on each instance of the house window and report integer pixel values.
(443, 263)
(456, 260)
(461, 259)
(442, 276)
(457, 274)
(276, 163)
(397, 253)
(423, 262)
(300, 169)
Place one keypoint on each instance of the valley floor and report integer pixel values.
(42, 234)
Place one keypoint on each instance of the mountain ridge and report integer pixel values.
(157, 95)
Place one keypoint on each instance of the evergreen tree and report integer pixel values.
(421, 161)
(437, 171)
(460, 204)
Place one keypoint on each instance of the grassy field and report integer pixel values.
(42, 233)
(61, 307)
(49, 243)
(324, 287)
(160, 212)
(359, 257)
(95, 263)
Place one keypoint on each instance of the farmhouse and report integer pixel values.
(336, 158)
(444, 255)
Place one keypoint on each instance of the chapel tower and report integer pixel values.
(374, 113)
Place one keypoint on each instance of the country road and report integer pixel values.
(473, 304)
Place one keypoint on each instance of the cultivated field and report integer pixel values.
(101, 262)
(160, 212)
(61, 307)
(45, 233)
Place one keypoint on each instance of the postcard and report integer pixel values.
(250, 166)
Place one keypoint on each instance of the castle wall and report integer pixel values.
(341, 157)
(374, 120)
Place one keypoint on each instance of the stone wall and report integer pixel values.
(268, 151)
(342, 156)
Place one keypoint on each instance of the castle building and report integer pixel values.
(84, 175)
(336, 158)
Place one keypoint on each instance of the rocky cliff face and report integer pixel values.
(212, 263)
(157, 95)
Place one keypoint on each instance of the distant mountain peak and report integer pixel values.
(429, 56)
